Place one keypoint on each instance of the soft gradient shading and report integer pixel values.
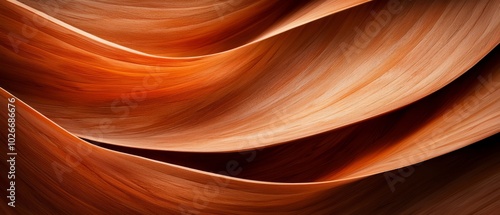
(252, 107)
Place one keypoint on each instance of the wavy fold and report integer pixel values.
(252, 107)
(224, 102)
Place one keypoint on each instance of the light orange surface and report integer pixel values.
(251, 107)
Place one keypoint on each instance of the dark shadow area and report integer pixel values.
(429, 184)
(310, 158)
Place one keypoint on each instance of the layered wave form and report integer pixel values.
(251, 107)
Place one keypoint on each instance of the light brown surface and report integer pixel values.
(229, 101)
(252, 107)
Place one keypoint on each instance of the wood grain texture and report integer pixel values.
(252, 107)
(230, 101)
